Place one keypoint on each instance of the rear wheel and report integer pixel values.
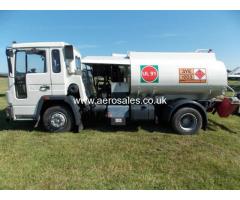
(58, 119)
(187, 121)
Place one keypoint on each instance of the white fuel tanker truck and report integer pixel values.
(51, 84)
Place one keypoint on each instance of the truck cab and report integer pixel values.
(42, 69)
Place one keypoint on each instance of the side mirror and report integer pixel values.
(9, 54)
(68, 52)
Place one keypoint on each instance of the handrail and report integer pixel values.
(203, 51)
(230, 88)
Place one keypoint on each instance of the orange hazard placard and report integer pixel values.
(192, 75)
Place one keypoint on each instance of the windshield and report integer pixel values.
(88, 80)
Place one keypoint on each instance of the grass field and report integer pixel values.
(139, 157)
(235, 85)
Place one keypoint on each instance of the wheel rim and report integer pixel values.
(58, 120)
(188, 122)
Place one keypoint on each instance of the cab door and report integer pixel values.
(32, 80)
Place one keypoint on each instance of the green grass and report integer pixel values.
(140, 157)
(235, 85)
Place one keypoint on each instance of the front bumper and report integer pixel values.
(9, 113)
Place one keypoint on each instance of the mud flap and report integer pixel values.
(226, 107)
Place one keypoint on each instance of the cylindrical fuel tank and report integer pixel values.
(197, 76)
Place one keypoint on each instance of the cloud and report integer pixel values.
(120, 42)
(162, 35)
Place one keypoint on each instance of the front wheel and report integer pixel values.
(58, 119)
(187, 121)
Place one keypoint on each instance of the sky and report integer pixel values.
(107, 32)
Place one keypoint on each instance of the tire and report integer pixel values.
(187, 121)
(58, 119)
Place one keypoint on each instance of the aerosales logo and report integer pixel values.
(123, 101)
(149, 74)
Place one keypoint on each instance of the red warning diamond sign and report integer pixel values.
(199, 73)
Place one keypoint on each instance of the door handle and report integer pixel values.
(44, 88)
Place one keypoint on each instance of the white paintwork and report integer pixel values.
(174, 56)
(57, 79)
(38, 45)
(58, 82)
(122, 59)
(117, 60)
(234, 76)
(168, 69)
(34, 81)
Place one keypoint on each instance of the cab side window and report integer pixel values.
(78, 63)
(21, 62)
(56, 64)
(30, 62)
(27, 62)
(20, 75)
(36, 62)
